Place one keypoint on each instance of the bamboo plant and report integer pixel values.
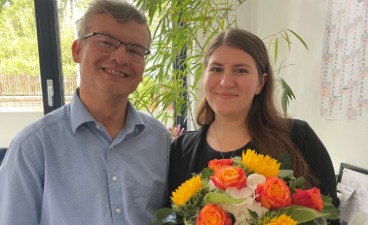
(181, 30)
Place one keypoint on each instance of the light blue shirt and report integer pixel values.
(64, 169)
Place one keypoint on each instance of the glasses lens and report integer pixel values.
(136, 52)
(106, 43)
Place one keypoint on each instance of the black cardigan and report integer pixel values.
(185, 155)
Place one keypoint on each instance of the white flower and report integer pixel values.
(241, 211)
(240, 193)
(254, 179)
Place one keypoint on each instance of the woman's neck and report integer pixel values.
(227, 136)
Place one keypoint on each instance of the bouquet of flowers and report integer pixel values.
(247, 190)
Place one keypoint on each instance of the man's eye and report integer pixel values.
(136, 51)
(106, 43)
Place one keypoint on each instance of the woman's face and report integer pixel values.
(231, 82)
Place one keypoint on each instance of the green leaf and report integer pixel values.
(206, 173)
(328, 207)
(218, 198)
(286, 161)
(276, 51)
(165, 216)
(299, 38)
(299, 182)
(302, 214)
(287, 39)
(286, 96)
(285, 173)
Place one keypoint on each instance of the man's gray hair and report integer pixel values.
(120, 10)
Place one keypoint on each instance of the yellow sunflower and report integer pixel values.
(282, 220)
(260, 164)
(185, 191)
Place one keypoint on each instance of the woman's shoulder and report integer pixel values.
(298, 126)
(302, 132)
(188, 140)
(188, 136)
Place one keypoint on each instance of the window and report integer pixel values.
(36, 54)
(20, 81)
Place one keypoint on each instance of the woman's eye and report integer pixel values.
(241, 71)
(215, 69)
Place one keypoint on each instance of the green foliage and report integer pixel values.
(303, 214)
(19, 53)
(69, 12)
(18, 32)
(165, 216)
(181, 30)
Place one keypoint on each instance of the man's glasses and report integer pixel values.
(109, 44)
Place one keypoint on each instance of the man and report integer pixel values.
(96, 161)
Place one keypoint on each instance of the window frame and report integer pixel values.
(47, 24)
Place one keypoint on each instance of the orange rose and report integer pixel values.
(229, 176)
(274, 193)
(217, 163)
(212, 214)
(309, 198)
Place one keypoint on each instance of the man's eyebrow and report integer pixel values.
(126, 43)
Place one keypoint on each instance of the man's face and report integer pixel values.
(117, 72)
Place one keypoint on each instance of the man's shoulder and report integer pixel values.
(44, 123)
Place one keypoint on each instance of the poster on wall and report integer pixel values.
(344, 78)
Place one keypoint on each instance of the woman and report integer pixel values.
(238, 112)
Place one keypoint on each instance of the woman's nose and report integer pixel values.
(227, 80)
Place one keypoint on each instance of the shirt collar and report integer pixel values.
(80, 115)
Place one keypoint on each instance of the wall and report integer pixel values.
(345, 140)
(13, 122)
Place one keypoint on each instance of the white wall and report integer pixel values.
(346, 141)
(12, 122)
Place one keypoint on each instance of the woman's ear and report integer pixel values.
(262, 82)
(76, 48)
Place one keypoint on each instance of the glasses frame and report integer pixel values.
(147, 51)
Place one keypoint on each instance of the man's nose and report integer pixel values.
(120, 55)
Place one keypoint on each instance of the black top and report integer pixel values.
(190, 153)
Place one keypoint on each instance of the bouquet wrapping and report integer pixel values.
(247, 190)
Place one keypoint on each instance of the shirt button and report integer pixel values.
(98, 126)
(114, 178)
(117, 210)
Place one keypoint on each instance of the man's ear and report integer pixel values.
(76, 48)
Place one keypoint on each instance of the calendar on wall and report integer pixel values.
(344, 78)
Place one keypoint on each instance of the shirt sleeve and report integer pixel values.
(21, 186)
